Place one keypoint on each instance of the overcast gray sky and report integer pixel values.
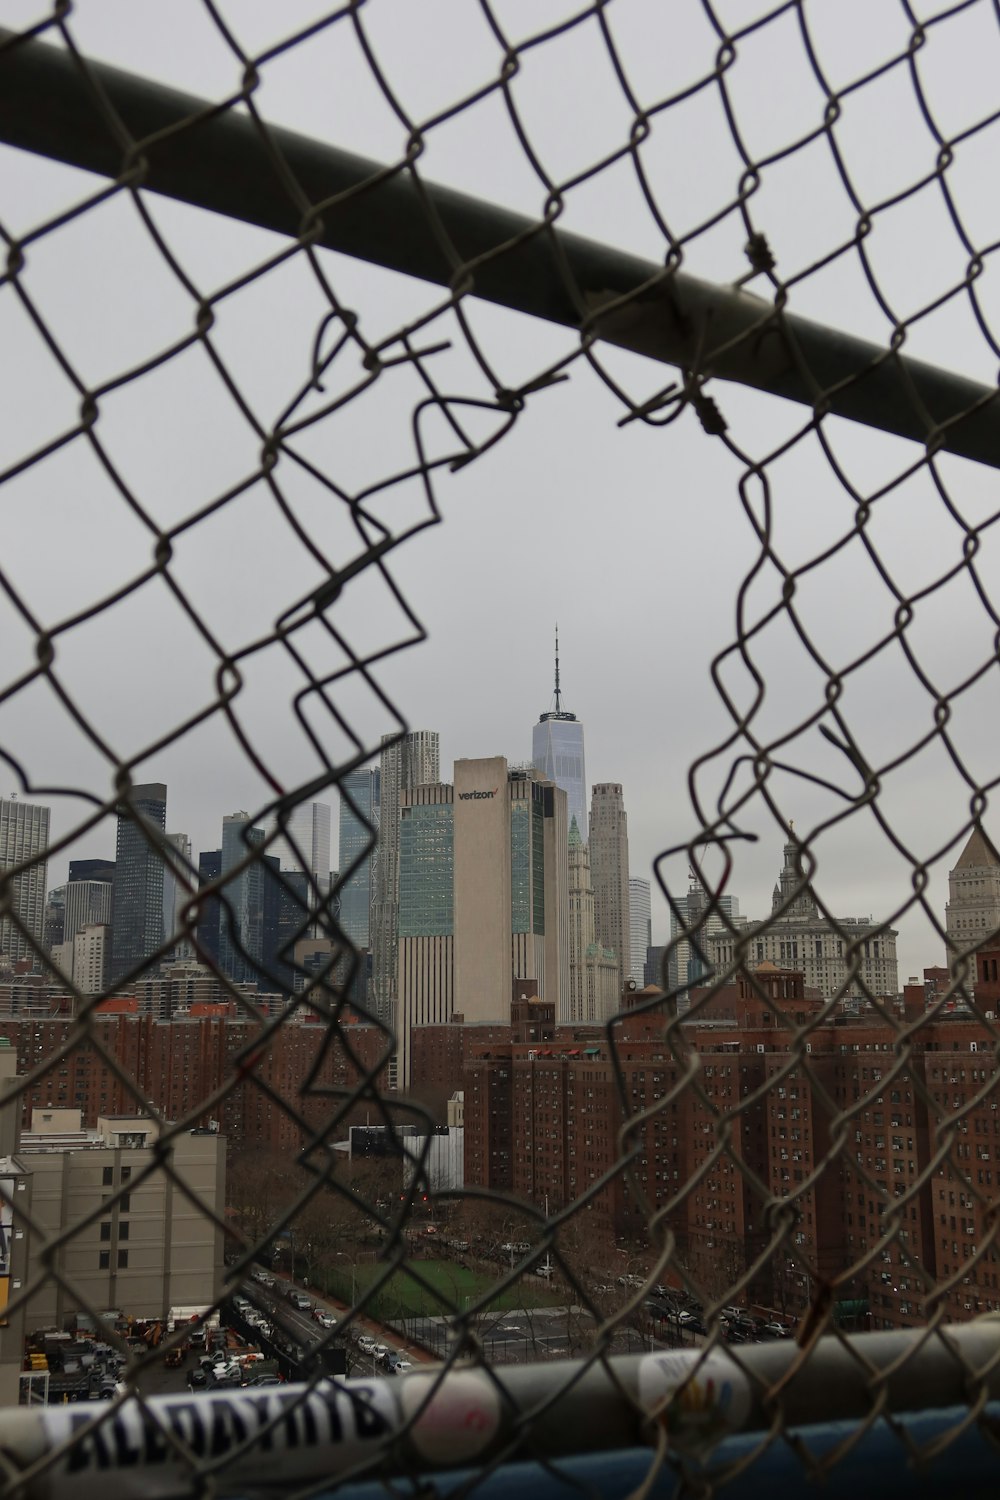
(633, 538)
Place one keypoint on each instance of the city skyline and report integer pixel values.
(917, 945)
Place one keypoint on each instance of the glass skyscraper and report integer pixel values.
(640, 928)
(406, 762)
(137, 888)
(360, 807)
(427, 870)
(241, 924)
(557, 751)
(305, 845)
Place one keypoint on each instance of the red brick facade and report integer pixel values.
(866, 1181)
(207, 1067)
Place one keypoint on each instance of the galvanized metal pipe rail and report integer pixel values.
(217, 158)
(432, 1420)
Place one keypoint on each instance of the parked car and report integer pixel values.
(299, 1299)
(366, 1343)
(775, 1330)
(545, 1271)
(323, 1318)
(197, 1379)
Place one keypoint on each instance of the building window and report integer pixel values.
(126, 1173)
(104, 1260)
(123, 1230)
(106, 1230)
(123, 1260)
(108, 1176)
(123, 1202)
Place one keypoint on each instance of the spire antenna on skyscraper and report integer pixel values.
(557, 667)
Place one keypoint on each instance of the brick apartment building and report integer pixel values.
(212, 1065)
(870, 1181)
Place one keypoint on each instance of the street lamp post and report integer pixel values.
(342, 1255)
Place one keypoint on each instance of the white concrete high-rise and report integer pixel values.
(305, 844)
(87, 902)
(640, 927)
(24, 840)
(594, 990)
(609, 872)
(177, 880)
(90, 957)
(557, 751)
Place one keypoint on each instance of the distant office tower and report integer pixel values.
(177, 880)
(826, 951)
(652, 972)
(24, 839)
(972, 915)
(557, 751)
(692, 923)
(55, 918)
(91, 869)
(87, 903)
(90, 956)
(288, 906)
(426, 937)
(511, 887)
(305, 846)
(360, 810)
(137, 889)
(640, 928)
(209, 870)
(594, 992)
(414, 760)
(609, 872)
(483, 896)
(241, 925)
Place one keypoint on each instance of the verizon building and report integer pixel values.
(511, 886)
(483, 896)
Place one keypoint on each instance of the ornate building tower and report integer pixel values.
(972, 915)
(609, 872)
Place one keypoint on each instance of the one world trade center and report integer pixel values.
(557, 751)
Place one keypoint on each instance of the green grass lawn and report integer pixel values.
(448, 1287)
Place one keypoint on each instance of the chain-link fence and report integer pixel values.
(255, 334)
